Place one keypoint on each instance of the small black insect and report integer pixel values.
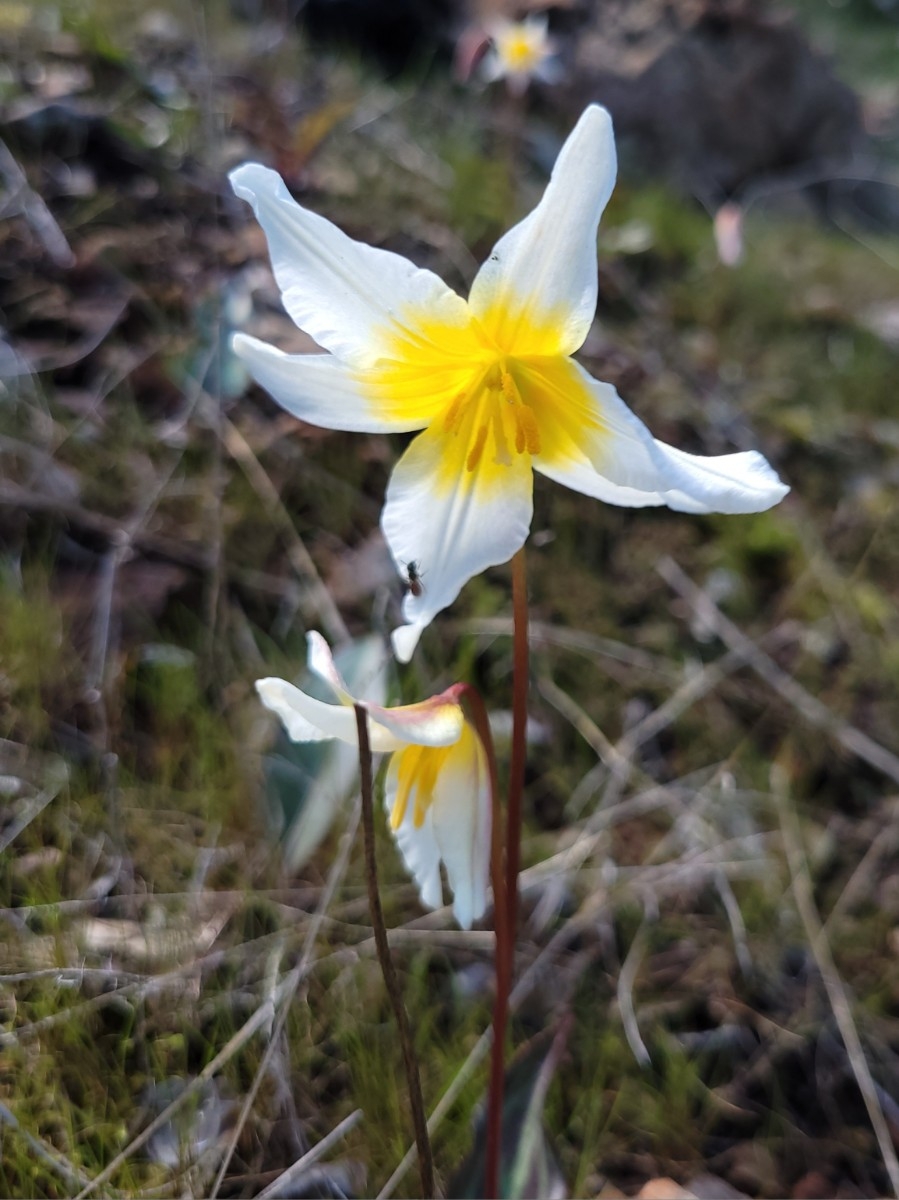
(413, 578)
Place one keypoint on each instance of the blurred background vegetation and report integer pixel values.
(188, 998)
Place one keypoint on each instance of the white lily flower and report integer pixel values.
(490, 381)
(438, 782)
(521, 51)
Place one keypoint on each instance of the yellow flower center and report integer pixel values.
(494, 393)
(418, 768)
(520, 51)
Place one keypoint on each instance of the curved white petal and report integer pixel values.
(610, 454)
(309, 720)
(418, 847)
(320, 661)
(437, 721)
(542, 273)
(452, 531)
(462, 819)
(346, 295)
(317, 388)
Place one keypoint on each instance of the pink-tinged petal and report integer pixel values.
(452, 530)
(603, 449)
(317, 388)
(462, 819)
(346, 295)
(536, 293)
(416, 844)
(320, 661)
(437, 721)
(309, 720)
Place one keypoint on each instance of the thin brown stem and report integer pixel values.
(519, 743)
(503, 957)
(416, 1103)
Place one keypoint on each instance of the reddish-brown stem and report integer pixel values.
(519, 744)
(503, 957)
(416, 1103)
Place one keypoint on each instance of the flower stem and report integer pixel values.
(419, 1121)
(519, 743)
(503, 958)
(505, 888)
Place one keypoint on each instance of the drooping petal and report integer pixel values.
(536, 293)
(451, 528)
(309, 720)
(416, 844)
(462, 818)
(439, 806)
(341, 292)
(319, 388)
(601, 448)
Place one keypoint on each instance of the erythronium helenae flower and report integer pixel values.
(519, 52)
(489, 381)
(437, 785)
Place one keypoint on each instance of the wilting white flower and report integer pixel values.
(438, 782)
(519, 52)
(489, 381)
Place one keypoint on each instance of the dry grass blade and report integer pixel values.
(833, 984)
(300, 559)
(293, 1172)
(570, 930)
(625, 994)
(52, 1158)
(260, 1018)
(34, 210)
(816, 713)
(335, 875)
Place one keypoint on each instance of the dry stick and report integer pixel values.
(809, 706)
(503, 956)
(833, 984)
(416, 1103)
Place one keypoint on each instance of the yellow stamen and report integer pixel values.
(477, 450)
(454, 413)
(528, 431)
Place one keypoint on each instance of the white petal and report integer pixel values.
(613, 456)
(317, 388)
(309, 720)
(345, 294)
(320, 661)
(434, 722)
(544, 269)
(452, 533)
(462, 820)
(418, 847)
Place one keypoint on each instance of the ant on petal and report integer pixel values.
(413, 578)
